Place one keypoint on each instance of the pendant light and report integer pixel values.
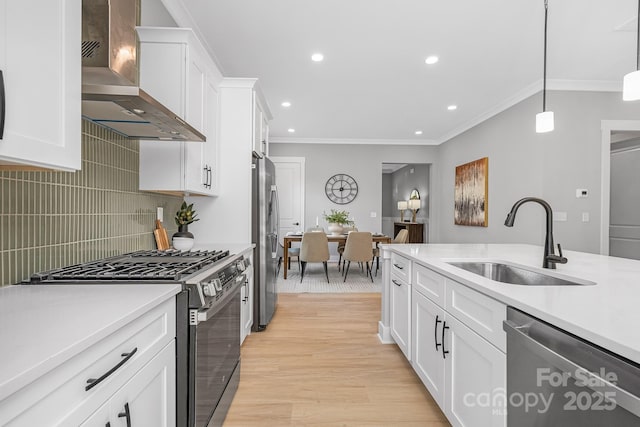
(631, 82)
(544, 120)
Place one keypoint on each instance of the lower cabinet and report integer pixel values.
(147, 400)
(246, 307)
(455, 348)
(400, 314)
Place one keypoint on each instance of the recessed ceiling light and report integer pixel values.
(317, 57)
(431, 60)
(452, 107)
(418, 132)
(286, 104)
(291, 130)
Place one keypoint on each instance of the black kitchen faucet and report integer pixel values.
(550, 258)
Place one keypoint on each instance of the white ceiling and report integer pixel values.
(374, 85)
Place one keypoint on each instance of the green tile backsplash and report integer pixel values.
(51, 219)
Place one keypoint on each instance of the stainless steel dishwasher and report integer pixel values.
(557, 379)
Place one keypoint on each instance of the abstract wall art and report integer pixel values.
(471, 193)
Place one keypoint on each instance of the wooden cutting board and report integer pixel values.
(160, 233)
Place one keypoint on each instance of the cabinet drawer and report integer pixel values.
(401, 267)
(429, 283)
(482, 314)
(61, 396)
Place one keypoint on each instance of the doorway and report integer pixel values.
(402, 182)
(620, 204)
(290, 181)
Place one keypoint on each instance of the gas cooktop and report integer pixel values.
(141, 266)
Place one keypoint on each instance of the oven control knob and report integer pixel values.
(208, 289)
(240, 266)
(218, 284)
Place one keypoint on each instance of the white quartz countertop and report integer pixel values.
(233, 248)
(607, 313)
(43, 326)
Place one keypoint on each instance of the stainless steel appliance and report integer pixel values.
(208, 319)
(111, 96)
(265, 220)
(557, 379)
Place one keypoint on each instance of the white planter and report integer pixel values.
(335, 229)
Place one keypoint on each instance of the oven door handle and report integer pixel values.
(203, 316)
(603, 387)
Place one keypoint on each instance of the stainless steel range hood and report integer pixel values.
(111, 96)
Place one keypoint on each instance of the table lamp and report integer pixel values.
(402, 206)
(414, 205)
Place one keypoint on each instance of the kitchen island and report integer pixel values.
(449, 319)
(607, 313)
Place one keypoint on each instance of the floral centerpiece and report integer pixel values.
(337, 219)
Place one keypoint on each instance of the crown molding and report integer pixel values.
(350, 141)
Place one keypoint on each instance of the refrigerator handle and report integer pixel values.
(276, 221)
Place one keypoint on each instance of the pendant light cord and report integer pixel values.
(638, 40)
(544, 73)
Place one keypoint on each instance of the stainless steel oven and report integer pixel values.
(207, 319)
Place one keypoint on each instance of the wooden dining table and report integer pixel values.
(377, 238)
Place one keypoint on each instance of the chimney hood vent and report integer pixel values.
(111, 96)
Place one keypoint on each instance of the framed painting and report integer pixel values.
(471, 193)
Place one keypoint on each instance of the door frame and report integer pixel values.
(301, 161)
(608, 126)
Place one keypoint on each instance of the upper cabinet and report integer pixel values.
(176, 70)
(40, 65)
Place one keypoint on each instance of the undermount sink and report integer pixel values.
(515, 275)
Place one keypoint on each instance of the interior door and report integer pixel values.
(624, 217)
(290, 183)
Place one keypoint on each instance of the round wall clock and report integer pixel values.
(341, 189)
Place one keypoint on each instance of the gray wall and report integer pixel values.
(522, 163)
(362, 162)
(406, 179)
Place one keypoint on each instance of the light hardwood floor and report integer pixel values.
(320, 363)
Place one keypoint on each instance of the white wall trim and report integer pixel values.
(607, 126)
(353, 141)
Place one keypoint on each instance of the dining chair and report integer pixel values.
(345, 230)
(358, 249)
(293, 252)
(315, 248)
(401, 237)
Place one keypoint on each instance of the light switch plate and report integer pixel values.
(374, 214)
(160, 213)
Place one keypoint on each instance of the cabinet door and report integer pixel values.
(200, 158)
(40, 63)
(400, 320)
(475, 378)
(147, 400)
(246, 304)
(426, 345)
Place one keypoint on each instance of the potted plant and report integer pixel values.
(337, 219)
(183, 239)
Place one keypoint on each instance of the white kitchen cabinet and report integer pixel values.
(114, 366)
(400, 303)
(260, 129)
(456, 344)
(400, 315)
(40, 60)
(246, 305)
(427, 358)
(175, 69)
(147, 400)
(476, 378)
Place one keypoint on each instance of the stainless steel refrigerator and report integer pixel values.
(265, 220)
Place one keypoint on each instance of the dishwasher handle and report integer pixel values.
(622, 398)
